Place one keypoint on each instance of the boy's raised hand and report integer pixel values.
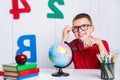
(65, 34)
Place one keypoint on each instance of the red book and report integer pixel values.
(30, 71)
(1, 73)
(22, 73)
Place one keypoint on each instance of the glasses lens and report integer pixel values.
(75, 29)
(84, 27)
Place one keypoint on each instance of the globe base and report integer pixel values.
(60, 73)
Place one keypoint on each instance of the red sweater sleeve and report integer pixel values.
(105, 43)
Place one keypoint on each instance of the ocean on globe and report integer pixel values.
(61, 54)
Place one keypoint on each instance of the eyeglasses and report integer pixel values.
(83, 27)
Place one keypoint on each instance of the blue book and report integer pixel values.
(20, 77)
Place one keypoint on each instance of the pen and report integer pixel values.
(108, 60)
(114, 58)
(105, 59)
(99, 57)
(109, 66)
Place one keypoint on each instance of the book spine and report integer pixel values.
(28, 76)
(28, 72)
(27, 66)
(1, 73)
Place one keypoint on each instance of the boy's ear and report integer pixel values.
(92, 28)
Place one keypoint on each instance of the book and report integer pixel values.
(17, 68)
(1, 73)
(20, 77)
(22, 73)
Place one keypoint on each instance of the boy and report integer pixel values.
(85, 46)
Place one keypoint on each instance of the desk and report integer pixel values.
(75, 74)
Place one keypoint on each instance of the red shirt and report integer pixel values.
(86, 58)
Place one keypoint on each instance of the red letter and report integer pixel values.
(16, 10)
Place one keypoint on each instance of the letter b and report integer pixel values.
(31, 47)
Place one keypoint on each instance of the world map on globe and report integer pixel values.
(60, 54)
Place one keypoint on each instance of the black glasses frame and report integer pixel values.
(83, 27)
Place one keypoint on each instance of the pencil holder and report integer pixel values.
(107, 70)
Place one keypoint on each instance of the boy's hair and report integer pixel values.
(83, 15)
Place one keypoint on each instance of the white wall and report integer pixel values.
(105, 15)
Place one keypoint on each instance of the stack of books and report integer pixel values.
(18, 72)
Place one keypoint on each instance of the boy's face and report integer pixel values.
(82, 28)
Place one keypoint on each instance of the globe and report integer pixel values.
(61, 54)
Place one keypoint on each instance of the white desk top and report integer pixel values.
(75, 74)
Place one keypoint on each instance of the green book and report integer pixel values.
(17, 68)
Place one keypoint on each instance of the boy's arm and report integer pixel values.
(103, 47)
(65, 34)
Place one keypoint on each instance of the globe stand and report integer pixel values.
(60, 73)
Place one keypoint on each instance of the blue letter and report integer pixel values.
(31, 47)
